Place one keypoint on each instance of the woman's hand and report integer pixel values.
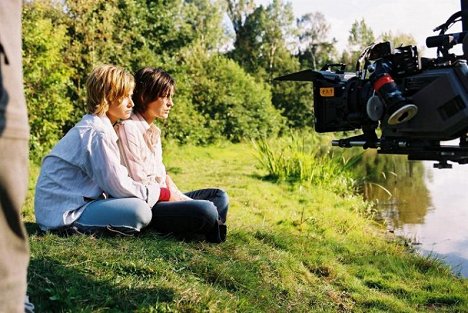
(176, 194)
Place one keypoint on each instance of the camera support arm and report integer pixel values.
(366, 140)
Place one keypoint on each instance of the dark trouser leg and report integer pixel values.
(219, 198)
(193, 216)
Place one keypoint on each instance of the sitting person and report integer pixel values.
(82, 182)
(201, 211)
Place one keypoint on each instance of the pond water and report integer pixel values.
(426, 205)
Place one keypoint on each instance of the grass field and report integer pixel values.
(289, 249)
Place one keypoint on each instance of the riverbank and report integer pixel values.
(289, 249)
(436, 222)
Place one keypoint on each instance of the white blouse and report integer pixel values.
(84, 165)
(141, 150)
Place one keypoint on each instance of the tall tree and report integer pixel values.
(238, 10)
(360, 37)
(91, 26)
(263, 46)
(46, 77)
(262, 36)
(206, 20)
(315, 49)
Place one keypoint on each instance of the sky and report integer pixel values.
(415, 17)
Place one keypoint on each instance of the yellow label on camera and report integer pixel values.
(327, 92)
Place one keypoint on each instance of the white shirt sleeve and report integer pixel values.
(111, 175)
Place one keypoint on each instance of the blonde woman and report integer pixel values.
(201, 211)
(82, 182)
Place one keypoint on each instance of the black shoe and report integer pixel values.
(213, 235)
(217, 234)
(403, 114)
(223, 232)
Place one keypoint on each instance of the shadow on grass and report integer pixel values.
(56, 287)
(32, 229)
(269, 177)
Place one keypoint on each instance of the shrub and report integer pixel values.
(231, 102)
(46, 76)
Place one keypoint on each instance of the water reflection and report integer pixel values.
(428, 206)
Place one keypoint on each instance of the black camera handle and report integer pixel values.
(464, 7)
(444, 42)
(463, 15)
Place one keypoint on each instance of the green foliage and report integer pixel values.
(260, 45)
(65, 40)
(231, 102)
(299, 159)
(295, 101)
(207, 15)
(315, 50)
(262, 49)
(46, 77)
(360, 37)
(102, 32)
(399, 39)
(238, 10)
(186, 124)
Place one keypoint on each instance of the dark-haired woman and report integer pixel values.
(201, 211)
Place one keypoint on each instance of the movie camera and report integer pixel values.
(417, 102)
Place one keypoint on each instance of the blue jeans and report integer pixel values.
(208, 209)
(123, 214)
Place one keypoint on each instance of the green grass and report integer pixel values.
(290, 249)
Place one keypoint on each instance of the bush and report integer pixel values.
(230, 101)
(46, 76)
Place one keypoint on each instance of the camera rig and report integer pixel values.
(436, 87)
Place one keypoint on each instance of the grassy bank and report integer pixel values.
(289, 249)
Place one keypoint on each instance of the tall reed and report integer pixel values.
(303, 159)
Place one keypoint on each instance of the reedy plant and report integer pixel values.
(302, 159)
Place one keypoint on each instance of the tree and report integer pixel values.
(262, 38)
(360, 37)
(238, 10)
(314, 48)
(47, 79)
(90, 26)
(205, 18)
(263, 47)
(399, 39)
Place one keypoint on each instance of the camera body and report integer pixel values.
(345, 101)
(440, 91)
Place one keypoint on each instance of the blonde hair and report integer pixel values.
(107, 84)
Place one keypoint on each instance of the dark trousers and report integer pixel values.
(208, 208)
